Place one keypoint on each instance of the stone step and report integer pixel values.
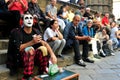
(4, 73)
(3, 56)
(3, 43)
(68, 58)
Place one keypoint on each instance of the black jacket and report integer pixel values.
(14, 59)
(33, 8)
(3, 6)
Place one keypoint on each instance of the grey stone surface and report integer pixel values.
(3, 44)
(3, 56)
(107, 68)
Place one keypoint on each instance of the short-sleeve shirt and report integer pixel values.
(51, 9)
(49, 33)
(105, 20)
(113, 32)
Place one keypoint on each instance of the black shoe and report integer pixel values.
(80, 63)
(27, 78)
(97, 56)
(13, 72)
(102, 54)
(88, 60)
(60, 56)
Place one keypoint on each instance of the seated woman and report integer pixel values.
(88, 31)
(105, 41)
(55, 38)
(63, 13)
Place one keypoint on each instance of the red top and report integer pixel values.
(18, 6)
(105, 21)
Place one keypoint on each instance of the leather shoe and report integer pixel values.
(88, 60)
(60, 56)
(102, 54)
(80, 63)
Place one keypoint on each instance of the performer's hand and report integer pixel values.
(53, 59)
(37, 38)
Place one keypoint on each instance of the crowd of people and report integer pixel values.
(64, 29)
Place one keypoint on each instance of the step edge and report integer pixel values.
(3, 68)
(4, 51)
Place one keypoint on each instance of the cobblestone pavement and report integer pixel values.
(107, 68)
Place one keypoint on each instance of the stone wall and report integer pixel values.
(43, 3)
(95, 5)
(100, 5)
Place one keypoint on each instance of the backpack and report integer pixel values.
(106, 49)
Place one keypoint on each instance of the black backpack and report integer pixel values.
(106, 49)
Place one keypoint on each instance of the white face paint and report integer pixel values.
(28, 20)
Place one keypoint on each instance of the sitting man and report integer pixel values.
(27, 46)
(73, 35)
(35, 10)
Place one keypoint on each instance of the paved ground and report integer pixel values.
(107, 68)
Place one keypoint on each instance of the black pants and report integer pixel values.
(75, 44)
(11, 19)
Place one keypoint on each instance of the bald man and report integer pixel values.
(73, 35)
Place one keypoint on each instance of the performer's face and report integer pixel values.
(28, 20)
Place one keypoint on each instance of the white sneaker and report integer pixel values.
(112, 54)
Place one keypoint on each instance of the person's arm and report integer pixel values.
(6, 1)
(107, 37)
(50, 35)
(48, 13)
(50, 51)
(36, 39)
(118, 34)
(24, 4)
(23, 46)
(60, 36)
(83, 38)
(11, 3)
